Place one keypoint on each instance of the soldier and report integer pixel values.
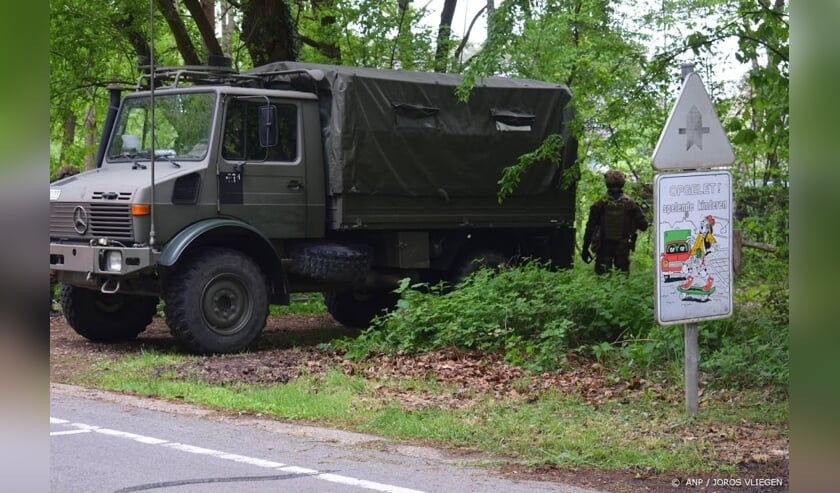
(63, 172)
(612, 225)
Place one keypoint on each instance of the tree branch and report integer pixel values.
(179, 32)
(205, 27)
(464, 41)
(328, 49)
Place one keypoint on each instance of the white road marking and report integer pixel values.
(191, 449)
(224, 455)
(68, 432)
(131, 436)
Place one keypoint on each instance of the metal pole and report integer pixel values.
(685, 69)
(691, 365)
(152, 118)
(691, 350)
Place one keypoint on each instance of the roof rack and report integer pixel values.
(175, 76)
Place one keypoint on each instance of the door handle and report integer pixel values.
(294, 185)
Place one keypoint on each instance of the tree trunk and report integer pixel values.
(268, 31)
(68, 137)
(90, 137)
(228, 26)
(179, 31)
(444, 35)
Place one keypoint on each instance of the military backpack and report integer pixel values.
(616, 218)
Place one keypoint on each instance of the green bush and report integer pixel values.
(527, 313)
(534, 318)
(751, 348)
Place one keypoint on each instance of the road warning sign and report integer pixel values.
(693, 137)
(693, 219)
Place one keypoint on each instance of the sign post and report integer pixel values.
(693, 222)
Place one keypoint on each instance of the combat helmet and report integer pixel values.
(614, 179)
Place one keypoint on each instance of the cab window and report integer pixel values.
(241, 133)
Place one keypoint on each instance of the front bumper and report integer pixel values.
(93, 259)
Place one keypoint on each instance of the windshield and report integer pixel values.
(182, 127)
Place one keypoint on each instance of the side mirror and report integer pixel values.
(269, 134)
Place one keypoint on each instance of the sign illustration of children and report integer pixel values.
(705, 238)
(699, 285)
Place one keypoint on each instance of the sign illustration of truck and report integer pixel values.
(223, 192)
(675, 253)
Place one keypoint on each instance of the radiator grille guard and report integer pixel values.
(91, 220)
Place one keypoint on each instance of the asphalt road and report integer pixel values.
(104, 442)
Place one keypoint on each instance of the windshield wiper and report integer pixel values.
(166, 157)
(135, 163)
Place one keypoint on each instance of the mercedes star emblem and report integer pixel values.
(80, 220)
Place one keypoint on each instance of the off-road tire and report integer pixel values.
(216, 301)
(477, 260)
(334, 263)
(108, 318)
(357, 308)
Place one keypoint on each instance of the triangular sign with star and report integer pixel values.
(693, 137)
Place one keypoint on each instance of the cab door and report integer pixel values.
(261, 175)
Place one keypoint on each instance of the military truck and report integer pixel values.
(222, 192)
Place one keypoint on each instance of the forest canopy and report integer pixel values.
(621, 60)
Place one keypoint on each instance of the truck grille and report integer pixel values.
(108, 220)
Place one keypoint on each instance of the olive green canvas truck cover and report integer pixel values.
(401, 149)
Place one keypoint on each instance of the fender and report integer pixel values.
(176, 246)
(231, 233)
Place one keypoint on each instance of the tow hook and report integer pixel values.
(107, 286)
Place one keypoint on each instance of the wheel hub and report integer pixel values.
(226, 306)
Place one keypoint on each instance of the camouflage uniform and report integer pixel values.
(63, 172)
(611, 228)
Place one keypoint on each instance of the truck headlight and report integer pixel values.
(113, 261)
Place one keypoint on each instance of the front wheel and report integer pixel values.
(102, 317)
(217, 301)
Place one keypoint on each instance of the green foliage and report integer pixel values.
(529, 314)
(535, 317)
(756, 111)
(365, 33)
(753, 352)
(549, 151)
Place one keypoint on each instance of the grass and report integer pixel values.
(642, 431)
(301, 303)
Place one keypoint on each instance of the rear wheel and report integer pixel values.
(103, 317)
(217, 301)
(357, 308)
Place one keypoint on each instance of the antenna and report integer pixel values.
(152, 119)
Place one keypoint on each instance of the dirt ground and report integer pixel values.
(288, 347)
